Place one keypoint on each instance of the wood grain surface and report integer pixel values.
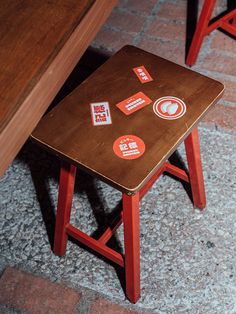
(41, 42)
(68, 130)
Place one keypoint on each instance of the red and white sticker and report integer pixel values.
(134, 103)
(142, 74)
(129, 147)
(169, 107)
(100, 113)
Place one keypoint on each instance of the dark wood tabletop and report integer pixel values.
(40, 43)
(69, 132)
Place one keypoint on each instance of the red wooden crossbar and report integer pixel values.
(223, 23)
(150, 183)
(105, 237)
(100, 245)
(176, 171)
(95, 245)
(166, 167)
(204, 27)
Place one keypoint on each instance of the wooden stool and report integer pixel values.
(226, 22)
(118, 126)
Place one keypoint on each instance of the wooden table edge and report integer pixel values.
(15, 133)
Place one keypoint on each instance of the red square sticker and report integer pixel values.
(142, 74)
(134, 103)
(100, 113)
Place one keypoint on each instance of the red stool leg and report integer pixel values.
(66, 189)
(193, 154)
(132, 246)
(199, 34)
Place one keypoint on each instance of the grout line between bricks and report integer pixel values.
(227, 103)
(217, 128)
(214, 74)
(118, 30)
(133, 12)
(137, 39)
(223, 53)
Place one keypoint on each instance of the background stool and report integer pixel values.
(70, 131)
(204, 28)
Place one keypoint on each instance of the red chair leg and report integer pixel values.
(132, 246)
(65, 196)
(193, 154)
(199, 34)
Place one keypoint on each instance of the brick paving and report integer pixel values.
(158, 26)
(26, 293)
(101, 306)
(33, 294)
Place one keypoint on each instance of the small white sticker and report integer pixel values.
(100, 113)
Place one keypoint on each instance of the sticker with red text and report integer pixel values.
(142, 74)
(134, 103)
(129, 147)
(169, 107)
(100, 113)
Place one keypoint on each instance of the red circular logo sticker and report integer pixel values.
(169, 108)
(129, 147)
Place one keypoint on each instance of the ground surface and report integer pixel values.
(188, 259)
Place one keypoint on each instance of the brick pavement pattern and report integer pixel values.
(35, 295)
(159, 26)
(102, 306)
(24, 292)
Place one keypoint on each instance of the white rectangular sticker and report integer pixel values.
(100, 113)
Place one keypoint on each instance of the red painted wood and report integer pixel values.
(105, 237)
(224, 23)
(203, 28)
(166, 167)
(65, 196)
(193, 154)
(234, 22)
(95, 245)
(132, 246)
(150, 183)
(200, 32)
(177, 172)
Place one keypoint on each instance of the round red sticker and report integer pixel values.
(129, 147)
(169, 107)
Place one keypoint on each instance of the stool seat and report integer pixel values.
(69, 132)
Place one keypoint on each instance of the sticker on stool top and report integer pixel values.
(142, 74)
(129, 147)
(134, 103)
(100, 113)
(169, 108)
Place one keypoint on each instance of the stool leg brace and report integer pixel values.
(129, 216)
(204, 27)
